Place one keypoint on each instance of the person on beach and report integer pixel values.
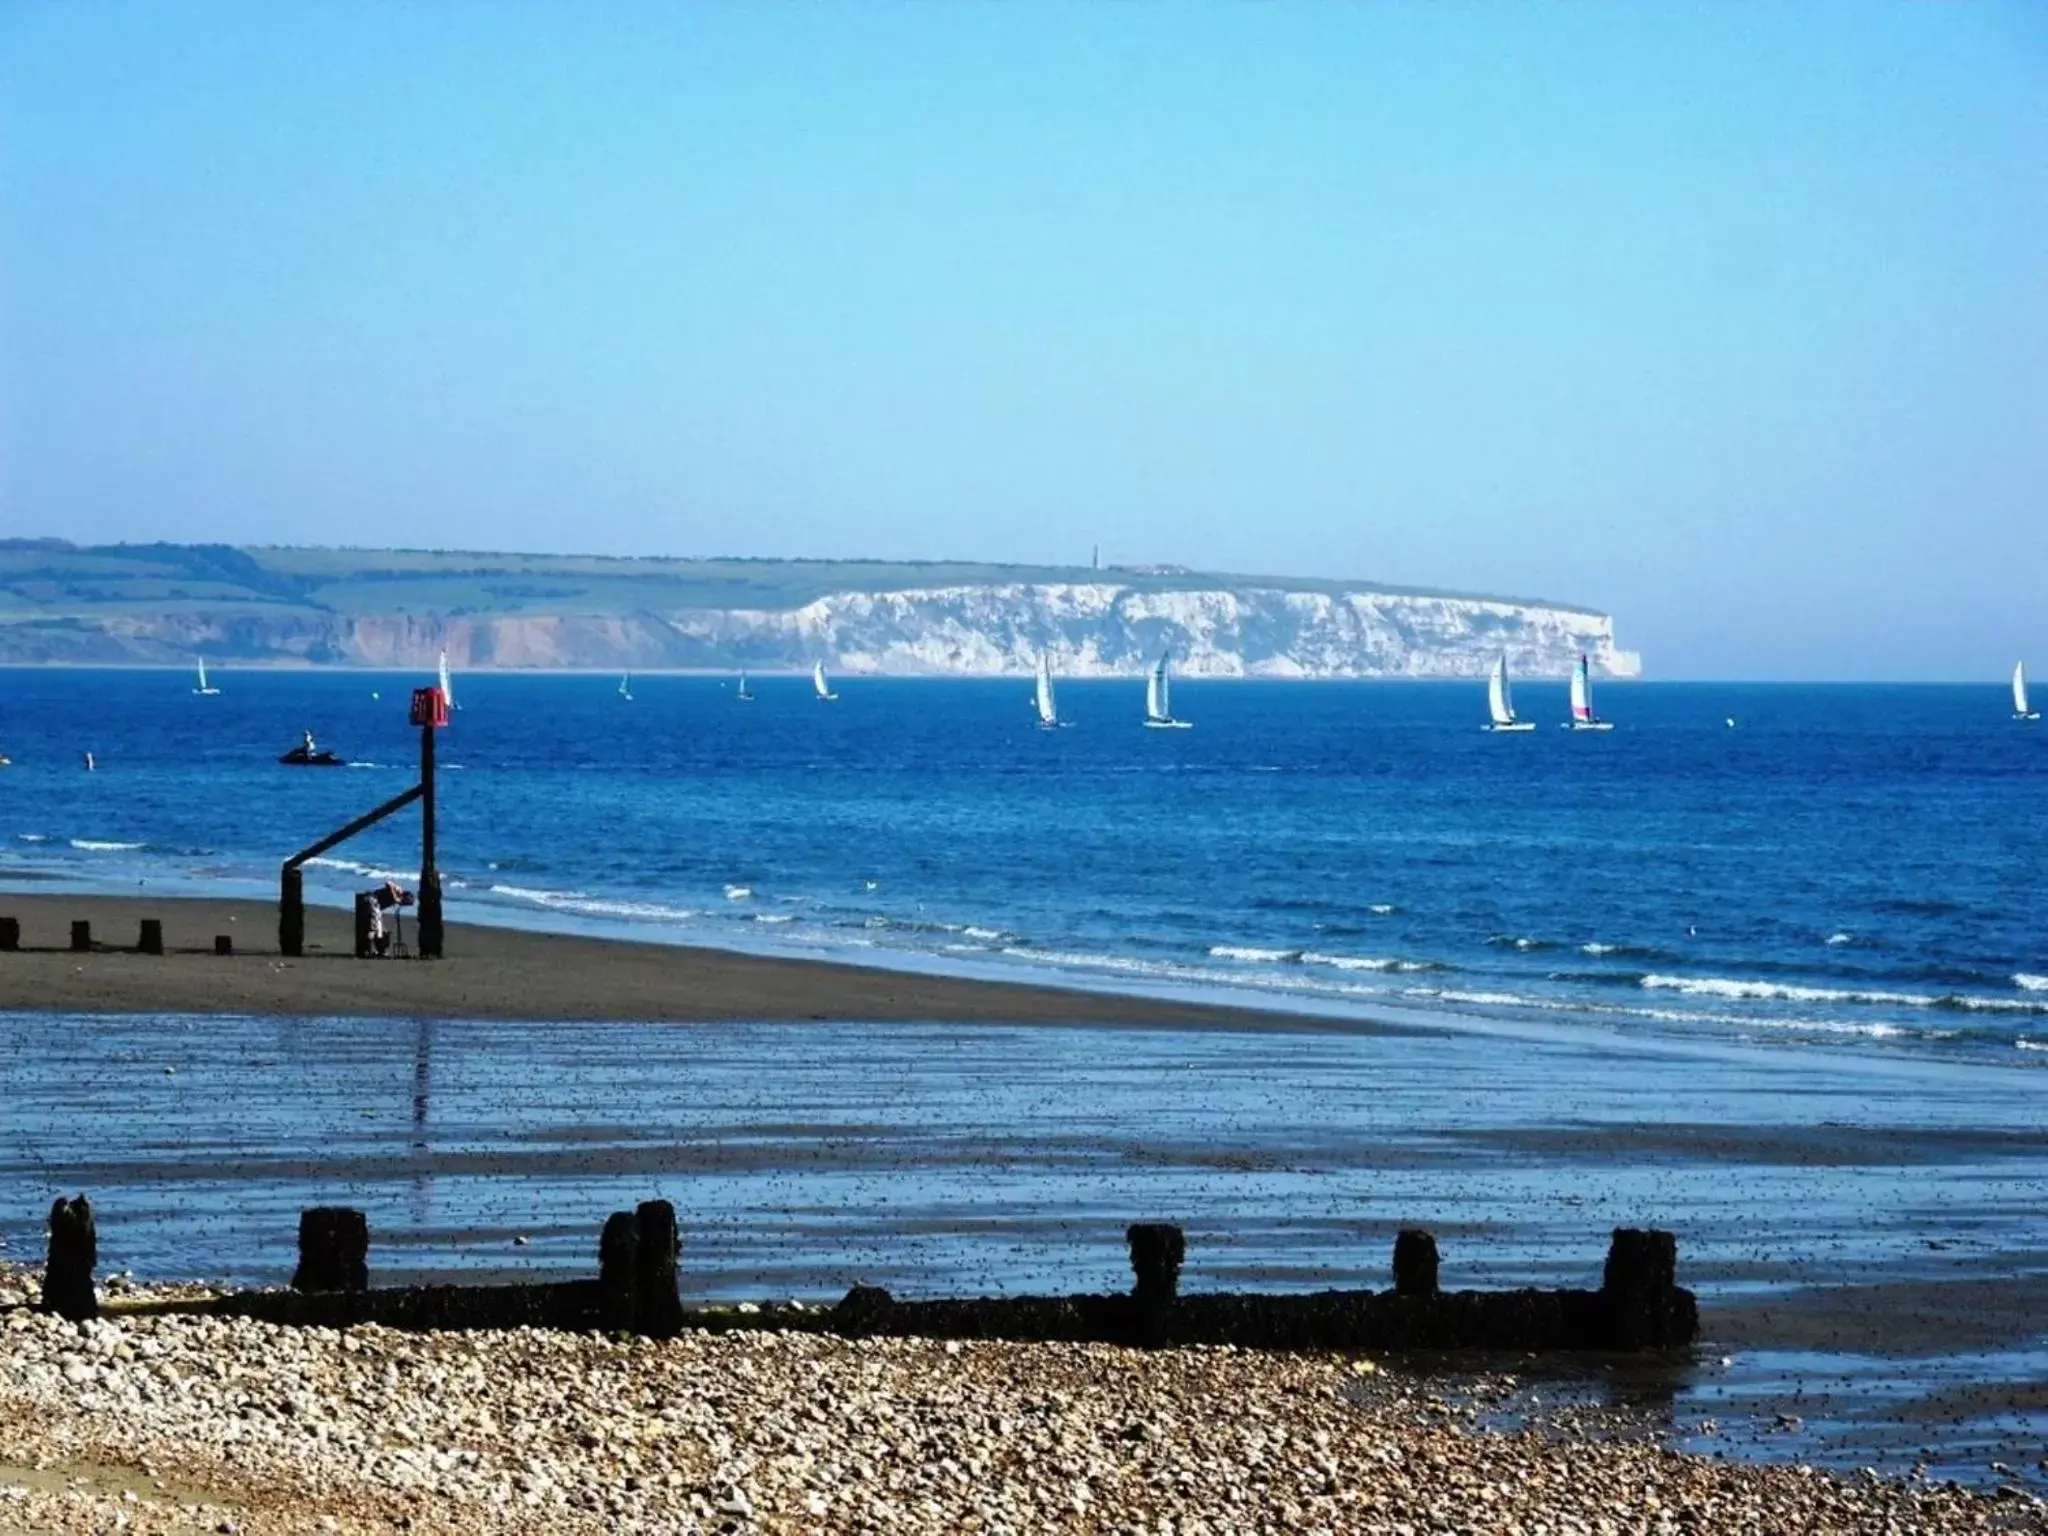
(376, 903)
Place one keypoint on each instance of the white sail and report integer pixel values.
(1048, 711)
(1500, 702)
(1582, 692)
(743, 693)
(1158, 692)
(204, 687)
(2019, 689)
(818, 681)
(626, 687)
(447, 683)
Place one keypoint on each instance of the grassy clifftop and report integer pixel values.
(51, 579)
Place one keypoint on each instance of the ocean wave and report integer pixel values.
(2024, 1044)
(89, 845)
(1771, 991)
(538, 895)
(738, 892)
(986, 935)
(1251, 955)
(2027, 983)
(1837, 940)
(1522, 942)
(774, 917)
(1366, 962)
(32, 837)
(1383, 909)
(1600, 950)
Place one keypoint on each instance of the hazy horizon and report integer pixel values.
(1728, 323)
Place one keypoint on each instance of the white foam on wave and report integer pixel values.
(32, 837)
(2024, 1044)
(90, 845)
(773, 917)
(1836, 940)
(1364, 962)
(738, 892)
(537, 894)
(2028, 983)
(986, 935)
(1383, 909)
(1773, 991)
(1597, 948)
(1252, 955)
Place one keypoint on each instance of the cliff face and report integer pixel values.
(1089, 628)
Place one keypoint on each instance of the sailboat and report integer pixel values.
(1048, 710)
(447, 686)
(626, 687)
(745, 695)
(1583, 718)
(2020, 711)
(818, 682)
(1500, 700)
(1159, 699)
(205, 689)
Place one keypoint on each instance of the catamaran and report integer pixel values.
(205, 689)
(1048, 711)
(1500, 700)
(1583, 718)
(447, 686)
(2020, 711)
(1159, 698)
(745, 695)
(626, 687)
(818, 682)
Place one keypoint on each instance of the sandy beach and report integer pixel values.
(497, 973)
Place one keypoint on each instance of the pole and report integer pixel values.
(430, 875)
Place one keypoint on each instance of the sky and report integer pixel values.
(1729, 320)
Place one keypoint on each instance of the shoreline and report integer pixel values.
(494, 972)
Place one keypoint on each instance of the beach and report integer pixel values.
(495, 973)
(187, 1424)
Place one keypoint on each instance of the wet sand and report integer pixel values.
(501, 973)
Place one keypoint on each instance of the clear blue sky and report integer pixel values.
(1730, 319)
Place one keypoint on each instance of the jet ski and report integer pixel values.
(309, 755)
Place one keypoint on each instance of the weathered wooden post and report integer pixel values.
(74, 1250)
(366, 921)
(291, 912)
(223, 943)
(618, 1271)
(429, 718)
(1157, 1249)
(1639, 1292)
(657, 1251)
(150, 941)
(81, 935)
(10, 933)
(1414, 1262)
(334, 1250)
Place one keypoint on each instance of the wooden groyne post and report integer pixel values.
(74, 1251)
(334, 1250)
(429, 713)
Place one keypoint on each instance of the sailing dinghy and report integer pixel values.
(1583, 718)
(745, 695)
(1500, 700)
(447, 686)
(626, 687)
(205, 689)
(1159, 698)
(818, 685)
(2020, 711)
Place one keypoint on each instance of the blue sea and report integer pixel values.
(1862, 867)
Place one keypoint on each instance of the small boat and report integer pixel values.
(1500, 700)
(2020, 711)
(1048, 710)
(205, 689)
(626, 687)
(818, 682)
(307, 754)
(1583, 718)
(1159, 699)
(447, 684)
(745, 695)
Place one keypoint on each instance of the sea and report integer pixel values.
(1857, 867)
